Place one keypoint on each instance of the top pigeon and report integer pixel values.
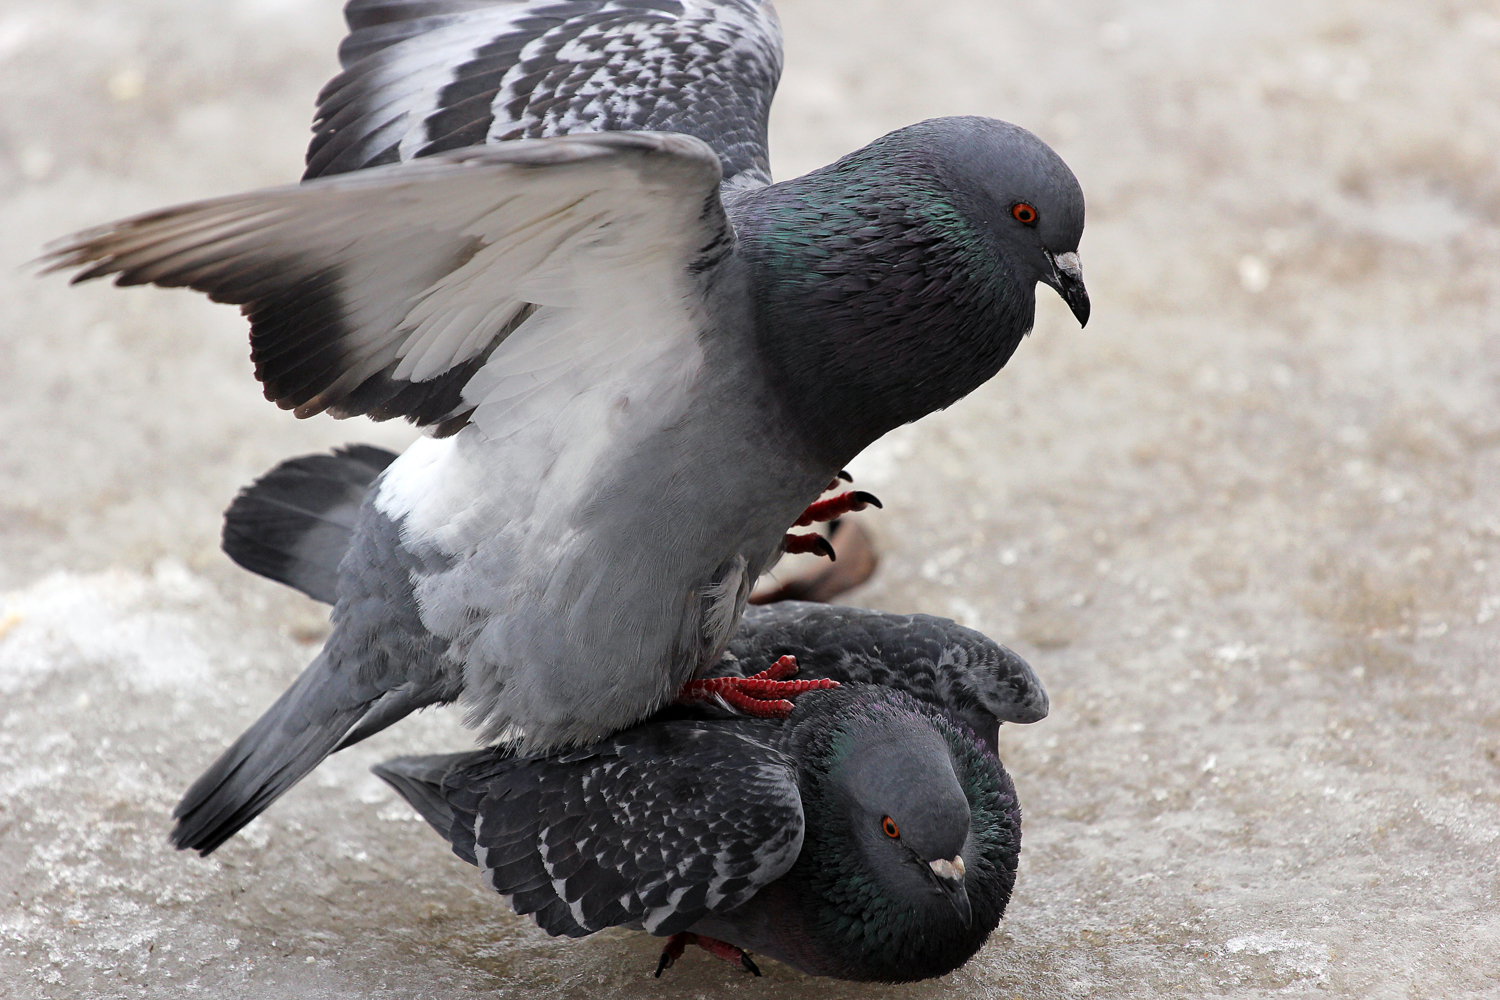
(641, 359)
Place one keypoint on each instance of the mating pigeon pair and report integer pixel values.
(545, 229)
(872, 835)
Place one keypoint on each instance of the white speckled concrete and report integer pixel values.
(1246, 525)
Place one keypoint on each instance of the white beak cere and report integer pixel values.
(1069, 264)
(950, 870)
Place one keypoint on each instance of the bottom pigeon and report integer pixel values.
(872, 835)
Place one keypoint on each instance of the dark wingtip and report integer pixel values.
(1028, 702)
(419, 780)
(293, 525)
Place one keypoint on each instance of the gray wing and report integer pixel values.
(384, 292)
(934, 659)
(424, 76)
(657, 826)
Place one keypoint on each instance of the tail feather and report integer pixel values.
(293, 525)
(293, 736)
(390, 708)
(419, 780)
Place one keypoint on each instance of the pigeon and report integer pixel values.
(872, 835)
(546, 231)
(295, 525)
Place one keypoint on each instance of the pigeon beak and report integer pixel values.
(950, 881)
(1067, 273)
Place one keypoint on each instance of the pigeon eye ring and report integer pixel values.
(888, 826)
(1024, 213)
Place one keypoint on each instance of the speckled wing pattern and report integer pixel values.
(424, 76)
(933, 659)
(654, 827)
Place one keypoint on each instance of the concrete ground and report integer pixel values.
(1246, 525)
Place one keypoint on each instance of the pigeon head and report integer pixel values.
(900, 278)
(913, 832)
(908, 814)
(1026, 199)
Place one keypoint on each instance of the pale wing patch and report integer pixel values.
(381, 292)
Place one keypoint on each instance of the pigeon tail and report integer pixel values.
(419, 780)
(388, 709)
(294, 524)
(295, 734)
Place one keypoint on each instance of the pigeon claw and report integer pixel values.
(824, 583)
(677, 944)
(809, 542)
(764, 695)
(835, 506)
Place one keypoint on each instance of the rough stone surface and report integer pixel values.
(1246, 525)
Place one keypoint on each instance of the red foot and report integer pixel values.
(763, 695)
(827, 510)
(824, 583)
(808, 542)
(677, 944)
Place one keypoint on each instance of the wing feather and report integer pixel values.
(383, 292)
(933, 659)
(424, 77)
(658, 826)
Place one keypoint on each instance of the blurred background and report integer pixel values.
(1246, 526)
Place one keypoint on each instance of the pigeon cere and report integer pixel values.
(547, 232)
(718, 542)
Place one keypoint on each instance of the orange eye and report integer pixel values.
(1024, 213)
(889, 826)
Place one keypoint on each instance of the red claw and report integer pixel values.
(836, 506)
(826, 510)
(763, 695)
(677, 944)
(808, 542)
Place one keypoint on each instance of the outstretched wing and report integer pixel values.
(657, 826)
(935, 660)
(424, 76)
(383, 292)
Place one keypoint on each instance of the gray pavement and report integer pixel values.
(1246, 525)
